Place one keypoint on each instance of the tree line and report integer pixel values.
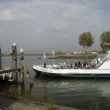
(86, 40)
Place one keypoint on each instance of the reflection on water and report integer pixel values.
(83, 94)
(12, 90)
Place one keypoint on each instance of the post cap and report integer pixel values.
(21, 50)
(14, 43)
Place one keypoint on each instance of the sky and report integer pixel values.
(46, 25)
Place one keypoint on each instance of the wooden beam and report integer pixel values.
(10, 70)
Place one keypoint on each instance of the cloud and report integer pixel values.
(6, 15)
(52, 23)
(11, 15)
(11, 10)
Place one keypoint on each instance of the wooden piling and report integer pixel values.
(24, 67)
(22, 62)
(0, 59)
(15, 70)
(14, 59)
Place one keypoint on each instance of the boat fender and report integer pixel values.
(4, 76)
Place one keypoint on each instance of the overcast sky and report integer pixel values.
(46, 25)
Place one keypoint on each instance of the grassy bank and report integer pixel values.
(75, 56)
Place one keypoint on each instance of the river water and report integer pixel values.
(83, 94)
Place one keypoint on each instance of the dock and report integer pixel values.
(10, 70)
(15, 73)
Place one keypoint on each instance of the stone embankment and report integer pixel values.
(22, 106)
(7, 103)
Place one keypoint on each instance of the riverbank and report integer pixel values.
(75, 56)
(30, 106)
(62, 56)
(9, 103)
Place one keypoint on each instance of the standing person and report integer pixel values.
(44, 64)
(44, 56)
(61, 65)
(64, 64)
(71, 66)
(76, 65)
(79, 64)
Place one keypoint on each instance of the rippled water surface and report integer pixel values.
(83, 94)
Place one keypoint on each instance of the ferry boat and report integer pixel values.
(98, 68)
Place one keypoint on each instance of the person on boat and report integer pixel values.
(79, 64)
(76, 65)
(62, 65)
(85, 64)
(71, 65)
(45, 64)
(82, 65)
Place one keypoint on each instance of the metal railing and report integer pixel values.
(97, 62)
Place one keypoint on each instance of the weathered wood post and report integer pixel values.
(0, 59)
(14, 58)
(22, 63)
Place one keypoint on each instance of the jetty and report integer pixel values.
(15, 73)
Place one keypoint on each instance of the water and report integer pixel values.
(92, 94)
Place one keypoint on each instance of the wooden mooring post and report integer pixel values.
(16, 73)
(24, 70)
(0, 59)
(14, 60)
(22, 59)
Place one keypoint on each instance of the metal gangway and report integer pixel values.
(97, 62)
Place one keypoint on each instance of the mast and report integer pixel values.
(0, 59)
(44, 56)
(53, 55)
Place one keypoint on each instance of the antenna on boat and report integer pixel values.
(53, 55)
(44, 56)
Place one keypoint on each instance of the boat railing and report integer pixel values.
(93, 61)
(99, 61)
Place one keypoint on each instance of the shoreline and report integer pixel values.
(62, 56)
(75, 56)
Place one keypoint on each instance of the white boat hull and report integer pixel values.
(73, 73)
